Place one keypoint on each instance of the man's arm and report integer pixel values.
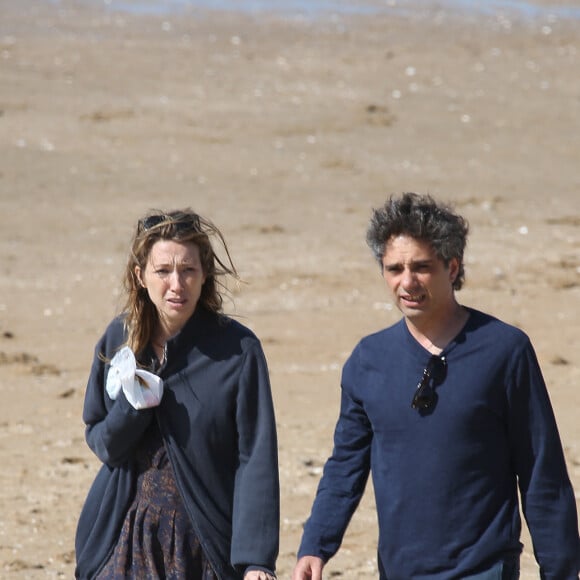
(343, 480)
(548, 500)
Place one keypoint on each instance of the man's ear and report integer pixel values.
(453, 269)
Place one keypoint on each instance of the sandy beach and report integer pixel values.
(285, 130)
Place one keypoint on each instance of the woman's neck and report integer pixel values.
(163, 333)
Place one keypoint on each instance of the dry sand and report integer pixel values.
(286, 132)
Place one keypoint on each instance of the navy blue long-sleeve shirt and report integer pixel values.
(217, 422)
(446, 483)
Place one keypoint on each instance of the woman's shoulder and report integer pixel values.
(220, 331)
(116, 327)
(235, 329)
(114, 334)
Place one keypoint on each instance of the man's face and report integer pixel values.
(421, 284)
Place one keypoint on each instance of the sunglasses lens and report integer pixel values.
(424, 399)
(152, 221)
(180, 224)
(425, 395)
(439, 367)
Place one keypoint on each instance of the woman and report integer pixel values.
(178, 408)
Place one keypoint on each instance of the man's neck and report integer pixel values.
(435, 334)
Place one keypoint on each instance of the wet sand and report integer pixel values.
(286, 131)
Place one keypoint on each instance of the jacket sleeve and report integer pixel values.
(344, 477)
(256, 505)
(113, 428)
(548, 501)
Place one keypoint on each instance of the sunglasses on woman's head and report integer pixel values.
(154, 221)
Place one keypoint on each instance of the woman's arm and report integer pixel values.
(113, 428)
(256, 509)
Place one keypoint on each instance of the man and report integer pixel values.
(448, 410)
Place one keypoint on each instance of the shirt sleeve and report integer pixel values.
(256, 509)
(343, 480)
(548, 501)
(113, 428)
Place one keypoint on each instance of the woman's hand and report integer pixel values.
(259, 575)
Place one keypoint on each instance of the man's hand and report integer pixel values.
(258, 575)
(308, 568)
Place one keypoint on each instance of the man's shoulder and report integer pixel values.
(383, 336)
(380, 344)
(485, 324)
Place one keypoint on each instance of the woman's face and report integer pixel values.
(173, 277)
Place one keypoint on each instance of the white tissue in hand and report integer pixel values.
(122, 371)
(142, 388)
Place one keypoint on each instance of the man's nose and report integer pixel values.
(407, 278)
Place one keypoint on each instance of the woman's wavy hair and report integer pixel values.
(422, 218)
(184, 226)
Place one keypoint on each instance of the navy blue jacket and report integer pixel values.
(217, 421)
(446, 483)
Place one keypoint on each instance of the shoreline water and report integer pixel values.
(515, 8)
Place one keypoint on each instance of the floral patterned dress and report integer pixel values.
(157, 540)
